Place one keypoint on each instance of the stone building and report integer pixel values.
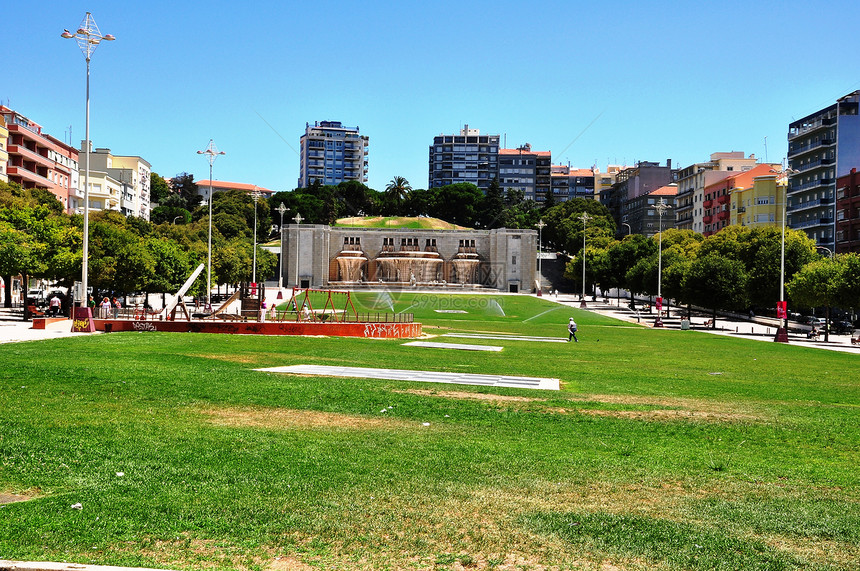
(320, 256)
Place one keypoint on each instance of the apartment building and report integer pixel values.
(642, 216)
(119, 182)
(848, 212)
(38, 160)
(4, 154)
(464, 157)
(716, 203)
(693, 179)
(526, 170)
(633, 182)
(822, 147)
(567, 183)
(331, 154)
(760, 203)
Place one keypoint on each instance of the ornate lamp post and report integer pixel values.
(211, 153)
(256, 196)
(585, 218)
(88, 36)
(661, 209)
(281, 210)
(540, 226)
(298, 218)
(782, 308)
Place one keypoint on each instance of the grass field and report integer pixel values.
(397, 222)
(663, 450)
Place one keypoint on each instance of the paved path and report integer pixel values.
(724, 326)
(13, 329)
(420, 376)
(461, 346)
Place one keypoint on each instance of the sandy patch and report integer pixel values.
(667, 415)
(287, 419)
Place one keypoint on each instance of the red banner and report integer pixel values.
(659, 303)
(782, 310)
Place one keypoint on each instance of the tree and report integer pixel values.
(622, 256)
(716, 282)
(456, 203)
(396, 192)
(492, 206)
(158, 188)
(185, 193)
(825, 283)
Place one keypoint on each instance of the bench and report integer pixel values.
(35, 311)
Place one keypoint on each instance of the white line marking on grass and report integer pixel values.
(507, 337)
(541, 383)
(462, 346)
(542, 313)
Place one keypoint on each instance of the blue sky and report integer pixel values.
(593, 82)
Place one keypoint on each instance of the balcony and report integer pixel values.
(724, 215)
(811, 223)
(707, 219)
(815, 164)
(724, 199)
(18, 172)
(811, 126)
(742, 209)
(809, 204)
(31, 155)
(810, 147)
(811, 184)
(707, 204)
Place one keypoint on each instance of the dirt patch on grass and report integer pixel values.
(292, 419)
(244, 359)
(467, 395)
(8, 497)
(667, 415)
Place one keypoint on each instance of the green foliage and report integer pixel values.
(564, 227)
(158, 188)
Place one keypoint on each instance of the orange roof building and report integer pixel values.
(222, 185)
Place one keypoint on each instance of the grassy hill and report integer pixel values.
(663, 449)
(398, 222)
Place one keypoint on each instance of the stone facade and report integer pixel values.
(320, 256)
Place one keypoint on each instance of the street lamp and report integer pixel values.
(175, 218)
(661, 209)
(540, 226)
(585, 218)
(629, 229)
(281, 209)
(88, 36)
(256, 196)
(828, 250)
(298, 218)
(782, 331)
(211, 153)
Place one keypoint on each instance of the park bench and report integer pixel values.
(35, 311)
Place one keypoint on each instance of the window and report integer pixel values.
(513, 260)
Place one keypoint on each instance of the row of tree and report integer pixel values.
(126, 254)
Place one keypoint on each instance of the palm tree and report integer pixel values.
(398, 188)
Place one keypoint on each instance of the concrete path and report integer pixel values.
(507, 337)
(542, 383)
(747, 329)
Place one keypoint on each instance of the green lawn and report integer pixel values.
(663, 450)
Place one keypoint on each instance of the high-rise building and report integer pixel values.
(641, 214)
(848, 212)
(526, 170)
(38, 160)
(331, 153)
(822, 147)
(693, 179)
(466, 157)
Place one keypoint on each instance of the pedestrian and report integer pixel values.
(116, 307)
(105, 308)
(55, 305)
(571, 329)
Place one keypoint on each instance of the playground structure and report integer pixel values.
(306, 312)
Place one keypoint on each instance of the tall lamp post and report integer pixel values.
(88, 36)
(298, 218)
(585, 218)
(281, 209)
(540, 226)
(661, 209)
(629, 229)
(782, 308)
(211, 153)
(256, 196)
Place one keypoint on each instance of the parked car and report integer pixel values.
(36, 297)
(841, 327)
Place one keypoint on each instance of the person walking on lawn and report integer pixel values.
(571, 329)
